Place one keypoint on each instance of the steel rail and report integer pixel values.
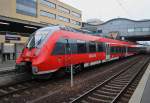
(103, 83)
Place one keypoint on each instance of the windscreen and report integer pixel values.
(38, 37)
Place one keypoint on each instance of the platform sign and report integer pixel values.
(12, 37)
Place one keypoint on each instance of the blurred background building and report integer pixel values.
(19, 18)
(122, 28)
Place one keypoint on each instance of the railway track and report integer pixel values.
(113, 88)
(8, 90)
(18, 87)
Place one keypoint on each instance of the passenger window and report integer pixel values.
(73, 46)
(100, 47)
(92, 47)
(113, 49)
(81, 46)
(59, 48)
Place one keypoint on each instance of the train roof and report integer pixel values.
(86, 35)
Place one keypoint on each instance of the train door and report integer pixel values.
(107, 51)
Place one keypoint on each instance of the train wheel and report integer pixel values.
(78, 68)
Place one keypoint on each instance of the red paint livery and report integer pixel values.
(50, 49)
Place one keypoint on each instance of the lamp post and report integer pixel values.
(72, 75)
(68, 48)
(72, 83)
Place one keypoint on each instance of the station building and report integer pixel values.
(25, 16)
(122, 28)
(20, 18)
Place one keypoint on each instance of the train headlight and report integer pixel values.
(34, 70)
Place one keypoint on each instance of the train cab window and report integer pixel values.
(59, 47)
(81, 46)
(73, 46)
(100, 47)
(92, 47)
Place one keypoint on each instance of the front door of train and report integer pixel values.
(107, 51)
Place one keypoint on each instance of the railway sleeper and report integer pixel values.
(110, 90)
(115, 85)
(118, 79)
(112, 87)
(84, 101)
(3, 91)
(107, 93)
(123, 76)
(12, 88)
(120, 82)
(97, 100)
(102, 96)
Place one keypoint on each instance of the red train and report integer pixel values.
(51, 49)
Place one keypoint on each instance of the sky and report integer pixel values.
(109, 9)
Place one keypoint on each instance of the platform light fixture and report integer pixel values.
(30, 27)
(4, 23)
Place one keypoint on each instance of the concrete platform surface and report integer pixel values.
(146, 93)
(6, 66)
(142, 92)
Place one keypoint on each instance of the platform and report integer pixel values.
(7, 66)
(142, 92)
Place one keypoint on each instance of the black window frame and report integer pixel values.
(82, 49)
(100, 47)
(59, 47)
(92, 47)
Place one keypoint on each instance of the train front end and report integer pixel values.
(35, 53)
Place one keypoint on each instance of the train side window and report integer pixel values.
(59, 47)
(118, 50)
(73, 46)
(92, 47)
(81, 46)
(112, 49)
(100, 47)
